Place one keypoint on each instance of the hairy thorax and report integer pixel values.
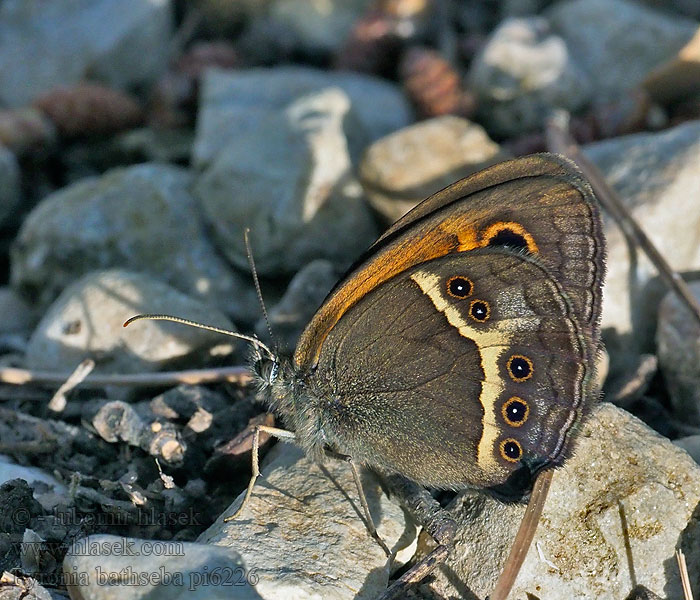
(293, 398)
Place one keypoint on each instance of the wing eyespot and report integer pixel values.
(509, 234)
(511, 450)
(515, 411)
(480, 310)
(459, 287)
(520, 368)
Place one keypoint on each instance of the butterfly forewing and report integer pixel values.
(537, 205)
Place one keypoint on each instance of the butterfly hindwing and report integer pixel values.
(457, 372)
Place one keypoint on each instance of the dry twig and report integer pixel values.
(236, 374)
(58, 401)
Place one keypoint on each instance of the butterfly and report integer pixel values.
(459, 351)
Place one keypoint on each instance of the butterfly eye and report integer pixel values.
(519, 367)
(479, 310)
(515, 411)
(459, 287)
(511, 450)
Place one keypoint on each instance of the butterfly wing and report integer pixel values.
(465, 370)
(539, 204)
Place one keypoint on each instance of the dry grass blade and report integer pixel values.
(237, 374)
(523, 539)
(685, 578)
(559, 140)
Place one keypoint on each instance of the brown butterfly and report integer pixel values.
(459, 351)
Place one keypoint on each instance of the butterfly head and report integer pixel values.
(265, 366)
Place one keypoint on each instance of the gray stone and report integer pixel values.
(615, 514)
(290, 180)
(23, 587)
(86, 321)
(10, 470)
(618, 42)
(234, 102)
(522, 73)
(9, 184)
(100, 567)
(303, 534)
(403, 168)
(319, 26)
(521, 8)
(691, 444)
(688, 8)
(678, 348)
(121, 43)
(657, 178)
(17, 315)
(303, 296)
(141, 218)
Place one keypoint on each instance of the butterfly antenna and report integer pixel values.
(254, 271)
(157, 317)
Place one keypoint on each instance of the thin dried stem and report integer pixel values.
(523, 539)
(236, 374)
(685, 578)
(58, 401)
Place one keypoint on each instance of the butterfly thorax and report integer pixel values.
(287, 394)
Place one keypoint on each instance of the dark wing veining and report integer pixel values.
(539, 204)
(457, 372)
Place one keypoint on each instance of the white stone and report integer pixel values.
(303, 532)
(87, 321)
(658, 180)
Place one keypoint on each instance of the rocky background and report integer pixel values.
(140, 138)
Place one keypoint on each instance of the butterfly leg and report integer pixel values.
(434, 519)
(365, 507)
(369, 522)
(280, 434)
(442, 528)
